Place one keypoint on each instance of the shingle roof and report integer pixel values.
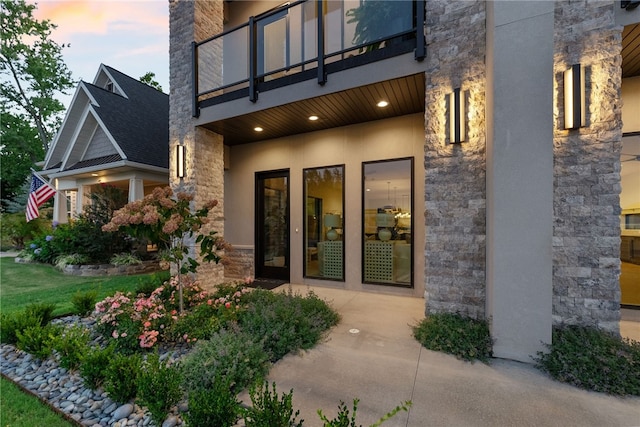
(96, 162)
(139, 123)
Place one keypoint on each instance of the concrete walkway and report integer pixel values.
(371, 355)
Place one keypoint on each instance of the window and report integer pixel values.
(323, 222)
(387, 222)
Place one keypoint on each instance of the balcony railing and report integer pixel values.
(303, 40)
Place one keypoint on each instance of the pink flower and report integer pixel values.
(147, 324)
(227, 304)
(209, 302)
(115, 334)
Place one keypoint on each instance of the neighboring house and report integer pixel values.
(501, 210)
(115, 132)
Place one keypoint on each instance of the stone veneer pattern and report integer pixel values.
(455, 194)
(586, 238)
(193, 21)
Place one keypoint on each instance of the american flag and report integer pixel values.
(39, 193)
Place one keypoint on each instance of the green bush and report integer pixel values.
(15, 227)
(94, 364)
(121, 377)
(231, 354)
(71, 346)
(158, 387)
(267, 410)
(215, 406)
(347, 419)
(42, 310)
(10, 324)
(286, 322)
(465, 338)
(84, 302)
(71, 259)
(125, 259)
(200, 323)
(149, 284)
(593, 359)
(38, 340)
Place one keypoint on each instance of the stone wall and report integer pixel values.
(455, 195)
(240, 263)
(586, 236)
(194, 21)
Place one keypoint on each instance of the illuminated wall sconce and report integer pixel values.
(180, 161)
(457, 117)
(574, 97)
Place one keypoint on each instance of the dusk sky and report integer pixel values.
(131, 36)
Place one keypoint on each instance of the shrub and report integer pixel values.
(84, 302)
(465, 338)
(18, 230)
(230, 354)
(38, 340)
(70, 259)
(345, 419)
(286, 322)
(158, 387)
(125, 259)
(71, 346)
(42, 310)
(593, 359)
(199, 323)
(215, 406)
(10, 324)
(270, 411)
(121, 377)
(94, 364)
(148, 284)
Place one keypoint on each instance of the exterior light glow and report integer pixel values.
(180, 161)
(457, 117)
(313, 118)
(574, 97)
(258, 129)
(382, 104)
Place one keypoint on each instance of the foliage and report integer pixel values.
(38, 340)
(149, 78)
(121, 377)
(11, 324)
(170, 223)
(158, 387)
(71, 346)
(286, 322)
(125, 259)
(150, 283)
(84, 302)
(215, 406)
(346, 419)
(72, 259)
(465, 338)
(593, 359)
(16, 227)
(229, 354)
(41, 310)
(94, 364)
(33, 69)
(270, 411)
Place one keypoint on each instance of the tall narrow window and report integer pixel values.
(388, 222)
(324, 222)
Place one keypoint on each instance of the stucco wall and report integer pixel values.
(631, 104)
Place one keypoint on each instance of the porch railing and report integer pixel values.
(301, 41)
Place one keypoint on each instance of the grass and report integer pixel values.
(23, 284)
(18, 409)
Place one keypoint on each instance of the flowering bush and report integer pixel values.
(169, 222)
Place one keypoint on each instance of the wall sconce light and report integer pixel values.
(574, 97)
(180, 161)
(457, 117)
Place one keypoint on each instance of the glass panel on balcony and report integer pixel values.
(224, 60)
(372, 21)
(273, 43)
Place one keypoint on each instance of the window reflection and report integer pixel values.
(387, 222)
(324, 219)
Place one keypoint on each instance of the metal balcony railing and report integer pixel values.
(303, 40)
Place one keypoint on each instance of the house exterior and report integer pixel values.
(115, 132)
(420, 148)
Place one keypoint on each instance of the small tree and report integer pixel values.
(170, 222)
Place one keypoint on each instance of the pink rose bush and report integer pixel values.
(142, 322)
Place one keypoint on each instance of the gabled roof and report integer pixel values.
(115, 119)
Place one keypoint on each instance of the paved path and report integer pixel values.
(383, 365)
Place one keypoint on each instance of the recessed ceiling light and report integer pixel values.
(94, 174)
(313, 118)
(258, 129)
(382, 104)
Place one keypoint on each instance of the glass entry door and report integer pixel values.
(272, 225)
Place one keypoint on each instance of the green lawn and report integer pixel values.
(23, 284)
(19, 409)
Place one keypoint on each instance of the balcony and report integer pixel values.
(302, 41)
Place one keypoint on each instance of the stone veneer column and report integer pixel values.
(195, 20)
(586, 231)
(455, 173)
(519, 176)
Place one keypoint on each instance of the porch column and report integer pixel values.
(520, 176)
(136, 189)
(78, 208)
(60, 208)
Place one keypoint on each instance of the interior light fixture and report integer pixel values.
(94, 174)
(574, 97)
(258, 129)
(457, 117)
(313, 118)
(382, 104)
(180, 161)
